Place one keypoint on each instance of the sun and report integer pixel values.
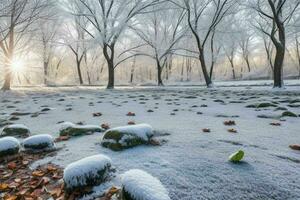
(17, 66)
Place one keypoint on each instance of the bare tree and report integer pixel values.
(203, 18)
(275, 15)
(15, 19)
(108, 20)
(161, 37)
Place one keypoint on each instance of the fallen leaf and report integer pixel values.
(295, 147)
(206, 130)
(13, 197)
(275, 124)
(56, 192)
(105, 126)
(98, 114)
(3, 186)
(131, 114)
(38, 173)
(18, 180)
(131, 123)
(229, 123)
(51, 168)
(12, 165)
(232, 130)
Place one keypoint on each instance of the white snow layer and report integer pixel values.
(39, 139)
(7, 143)
(142, 186)
(76, 173)
(17, 126)
(66, 125)
(143, 131)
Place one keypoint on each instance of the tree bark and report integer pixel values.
(278, 67)
(110, 64)
(233, 70)
(78, 63)
(204, 69)
(7, 77)
(159, 73)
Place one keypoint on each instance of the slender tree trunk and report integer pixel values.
(7, 77)
(111, 76)
(159, 73)
(204, 69)
(248, 63)
(233, 70)
(278, 67)
(132, 70)
(7, 61)
(298, 54)
(78, 63)
(110, 65)
(46, 66)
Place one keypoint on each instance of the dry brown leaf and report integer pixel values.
(12, 165)
(38, 173)
(56, 192)
(12, 197)
(3, 186)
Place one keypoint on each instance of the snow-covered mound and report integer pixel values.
(127, 136)
(18, 130)
(9, 146)
(139, 185)
(70, 129)
(39, 142)
(90, 171)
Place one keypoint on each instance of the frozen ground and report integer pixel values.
(192, 164)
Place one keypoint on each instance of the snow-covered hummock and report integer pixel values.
(142, 186)
(15, 130)
(9, 146)
(127, 136)
(143, 131)
(39, 142)
(68, 128)
(90, 171)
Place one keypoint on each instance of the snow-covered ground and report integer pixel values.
(192, 164)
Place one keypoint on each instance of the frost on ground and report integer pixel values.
(191, 164)
(139, 185)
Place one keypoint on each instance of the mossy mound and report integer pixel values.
(139, 185)
(72, 130)
(90, 171)
(39, 143)
(9, 146)
(261, 105)
(121, 138)
(17, 130)
(289, 114)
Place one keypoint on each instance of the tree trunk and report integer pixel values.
(78, 62)
(46, 66)
(159, 73)
(7, 77)
(278, 67)
(204, 69)
(233, 70)
(248, 64)
(111, 75)
(298, 54)
(110, 64)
